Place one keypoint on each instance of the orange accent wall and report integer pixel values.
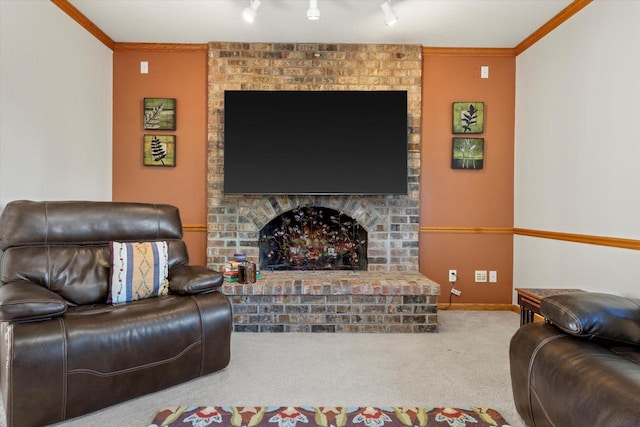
(449, 198)
(468, 198)
(182, 76)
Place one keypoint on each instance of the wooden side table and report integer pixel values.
(529, 301)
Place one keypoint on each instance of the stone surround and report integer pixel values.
(294, 301)
(392, 222)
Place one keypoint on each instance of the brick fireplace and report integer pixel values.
(391, 222)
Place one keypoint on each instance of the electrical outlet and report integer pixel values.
(481, 276)
(493, 276)
(453, 275)
(456, 292)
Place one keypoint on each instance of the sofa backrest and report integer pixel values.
(64, 245)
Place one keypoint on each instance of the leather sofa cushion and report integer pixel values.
(595, 315)
(135, 331)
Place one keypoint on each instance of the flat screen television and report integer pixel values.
(315, 142)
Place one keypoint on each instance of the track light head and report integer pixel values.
(249, 13)
(390, 17)
(313, 13)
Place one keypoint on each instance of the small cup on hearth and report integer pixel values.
(246, 272)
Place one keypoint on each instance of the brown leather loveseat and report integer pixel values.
(582, 368)
(66, 350)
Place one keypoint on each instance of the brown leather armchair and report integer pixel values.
(65, 351)
(582, 368)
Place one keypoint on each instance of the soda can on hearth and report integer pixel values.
(246, 272)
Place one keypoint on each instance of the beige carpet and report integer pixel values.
(465, 363)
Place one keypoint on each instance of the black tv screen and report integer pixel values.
(315, 142)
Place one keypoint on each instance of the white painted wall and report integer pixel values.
(577, 163)
(55, 106)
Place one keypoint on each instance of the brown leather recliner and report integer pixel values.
(66, 352)
(582, 368)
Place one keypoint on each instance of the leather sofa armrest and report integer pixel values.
(194, 279)
(26, 301)
(595, 315)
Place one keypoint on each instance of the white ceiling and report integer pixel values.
(434, 23)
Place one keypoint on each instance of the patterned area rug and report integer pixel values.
(308, 416)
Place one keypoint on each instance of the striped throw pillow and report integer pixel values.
(138, 270)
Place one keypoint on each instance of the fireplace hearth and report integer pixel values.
(313, 238)
(335, 301)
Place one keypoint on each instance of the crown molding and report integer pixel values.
(562, 16)
(85, 22)
(468, 51)
(160, 47)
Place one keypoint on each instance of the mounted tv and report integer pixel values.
(315, 142)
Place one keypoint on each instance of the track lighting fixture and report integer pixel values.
(249, 13)
(313, 13)
(390, 16)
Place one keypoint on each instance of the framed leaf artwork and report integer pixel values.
(159, 150)
(159, 113)
(468, 117)
(467, 153)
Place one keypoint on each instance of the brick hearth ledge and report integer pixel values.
(335, 301)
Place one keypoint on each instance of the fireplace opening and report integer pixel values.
(313, 238)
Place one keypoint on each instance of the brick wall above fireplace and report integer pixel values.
(391, 221)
